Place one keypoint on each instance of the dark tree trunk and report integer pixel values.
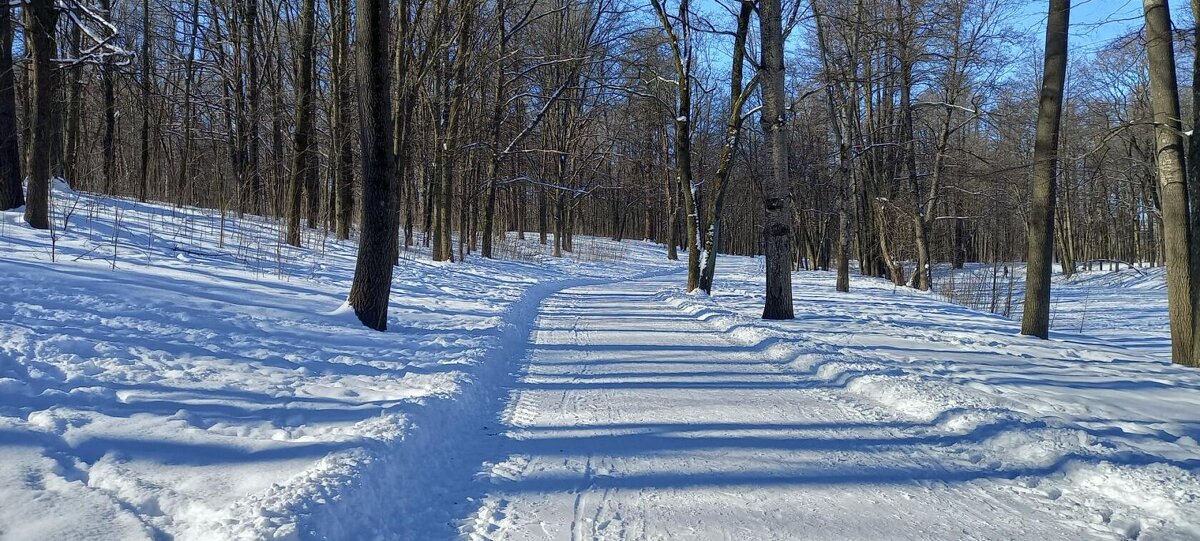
(74, 113)
(373, 271)
(1035, 321)
(777, 188)
(1193, 189)
(489, 210)
(301, 159)
(108, 93)
(41, 19)
(184, 183)
(733, 130)
(250, 130)
(343, 164)
(147, 85)
(11, 195)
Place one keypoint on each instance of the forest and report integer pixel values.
(907, 128)
(599, 269)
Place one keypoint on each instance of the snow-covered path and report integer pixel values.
(633, 418)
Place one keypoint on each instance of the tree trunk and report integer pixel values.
(733, 130)
(184, 185)
(10, 153)
(108, 144)
(489, 210)
(373, 271)
(1164, 96)
(147, 85)
(1035, 321)
(250, 130)
(41, 19)
(1193, 189)
(74, 113)
(301, 161)
(777, 189)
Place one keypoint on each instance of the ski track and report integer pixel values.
(644, 414)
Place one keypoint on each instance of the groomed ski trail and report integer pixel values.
(632, 418)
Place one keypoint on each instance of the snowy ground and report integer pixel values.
(203, 390)
(645, 413)
(1126, 306)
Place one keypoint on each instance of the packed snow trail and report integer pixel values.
(634, 419)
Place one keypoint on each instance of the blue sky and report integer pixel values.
(1093, 22)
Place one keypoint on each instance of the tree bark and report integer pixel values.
(1193, 189)
(1035, 321)
(343, 159)
(41, 19)
(1164, 97)
(305, 102)
(489, 210)
(733, 130)
(147, 86)
(11, 195)
(74, 113)
(108, 93)
(681, 48)
(250, 129)
(373, 271)
(777, 188)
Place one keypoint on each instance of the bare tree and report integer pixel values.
(10, 155)
(1035, 321)
(303, 155)
(1164, 92)
(41, 21)
(373, 272)
(343, 159)
(777, 188)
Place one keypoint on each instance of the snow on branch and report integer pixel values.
(102, 33)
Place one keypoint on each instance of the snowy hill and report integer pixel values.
(183, 376)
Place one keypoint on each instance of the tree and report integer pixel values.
(681, 46)
(1193, 189)
(1168, 141)
(373, 270)
(10, 155)
(738, 95)
(1035, 321)
(343, 163)
(303, 155)
(147, 85)
(108, 91)
(41, 21)
(776, 187)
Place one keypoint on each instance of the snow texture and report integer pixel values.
(166, 373)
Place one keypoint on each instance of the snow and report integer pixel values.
(185, 376)
(877, 414)
(209, 389)
(1127, 306)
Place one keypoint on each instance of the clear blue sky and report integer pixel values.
(1093, 22)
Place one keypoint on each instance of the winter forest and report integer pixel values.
(599, 269)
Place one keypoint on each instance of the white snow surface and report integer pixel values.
(209, 387)
(205, 388)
